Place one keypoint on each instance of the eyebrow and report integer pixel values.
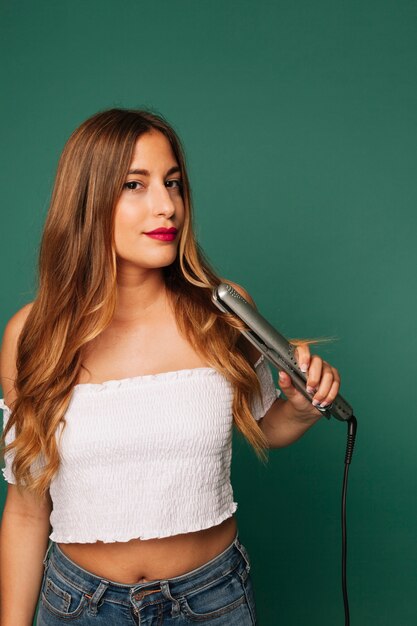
(172, 170)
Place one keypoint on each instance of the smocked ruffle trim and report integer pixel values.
(161, 376)
(92, 538)
(4, 406)
(8, 475)
(126, 382)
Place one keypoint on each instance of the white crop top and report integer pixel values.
(147, 456)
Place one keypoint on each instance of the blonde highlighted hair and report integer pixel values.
(76, 293)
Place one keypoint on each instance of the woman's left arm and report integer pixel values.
(287, 420)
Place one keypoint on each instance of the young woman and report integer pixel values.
(121, 383)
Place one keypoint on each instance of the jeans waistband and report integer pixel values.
(89, 583)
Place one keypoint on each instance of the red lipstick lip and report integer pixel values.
(163, 231)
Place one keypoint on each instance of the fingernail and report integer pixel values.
(304, 367)
(310, 389)
(315, 402)
(323, 404)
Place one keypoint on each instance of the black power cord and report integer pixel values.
(352, 427)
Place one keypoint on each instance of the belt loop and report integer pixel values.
(244, 553)
(176, 609)
(96, 597)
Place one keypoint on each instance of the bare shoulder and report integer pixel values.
(251, 352)
(9, 350)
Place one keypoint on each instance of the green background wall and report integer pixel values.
(299, 124)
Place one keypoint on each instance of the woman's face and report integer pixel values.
(151, 199)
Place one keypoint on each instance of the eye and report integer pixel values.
(177, 185)
(131, 182)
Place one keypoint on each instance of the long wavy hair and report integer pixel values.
(77, 291)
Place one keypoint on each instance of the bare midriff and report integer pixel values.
(140, 560)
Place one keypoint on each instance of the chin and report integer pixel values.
(155, 263)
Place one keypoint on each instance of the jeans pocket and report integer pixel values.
(60, 596)
(213, 599)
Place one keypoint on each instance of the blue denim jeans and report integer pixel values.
(218, 592)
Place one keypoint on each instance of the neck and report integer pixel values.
(139, 291)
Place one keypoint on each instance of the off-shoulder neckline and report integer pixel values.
(122, 382)
(118, 382)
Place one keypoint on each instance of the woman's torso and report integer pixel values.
(150, 345)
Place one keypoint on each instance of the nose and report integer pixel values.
(162, 202)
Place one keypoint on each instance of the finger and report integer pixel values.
(303, 356)
(284, 379)
(293, 395)
(334, 390)
(314, 373)
(326, 382)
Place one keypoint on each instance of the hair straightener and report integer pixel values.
(280, 352)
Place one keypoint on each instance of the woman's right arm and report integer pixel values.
(25, 526)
